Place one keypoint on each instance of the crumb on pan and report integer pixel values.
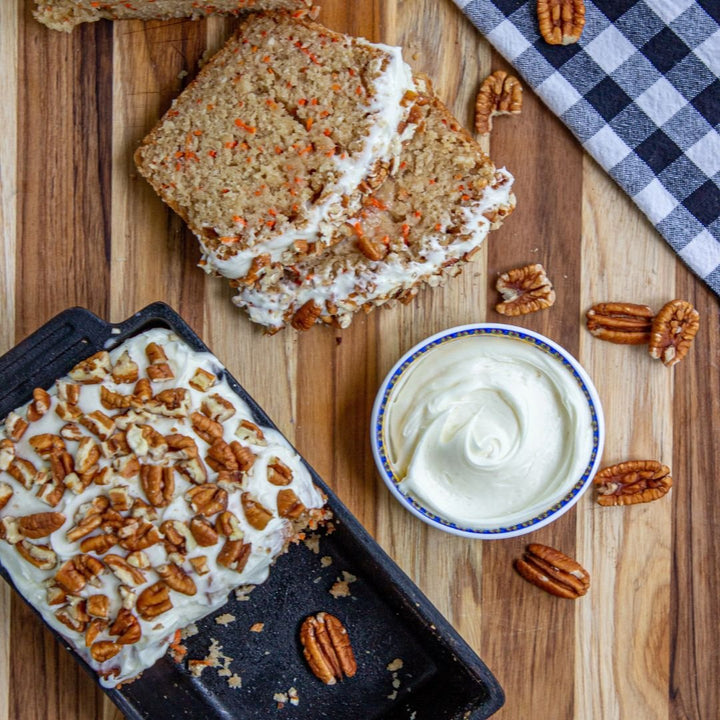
(341, 588)
(258, 627)
(225, 619)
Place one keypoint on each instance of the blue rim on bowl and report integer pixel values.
(542, 343)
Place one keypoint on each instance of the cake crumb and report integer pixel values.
(257, 627)
(280, 699)
(214, 659)
(189, 631)
(294, 697)
(313, 543)
(241, 593)
(341, 588)
(392, 695)
(326, 561)
(234, 681)
(395, 665)
(225, 619)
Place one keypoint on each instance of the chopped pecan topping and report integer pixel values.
(98, 423)
(98, 606)
(256, 515)
(55, 594)
(234, 555)
(631, 482)
(200, 564)
(104, 650)
(120, 499)
(327, 649)
(553, 571)
(221, 457)
(6, 492)
(217, 408)
(371, 249)
(10, 530)
(93, 629)
(23, 471)
(112, 400)
(41, 556)
(73, 615)
(153, 601)
(193, 470)
(177, 579)
(41, 524)
(561, 21)
(178, 536)
(499, 94)
(93, 370)
(87, 455)
(228, 525)
(142, 392)
(77, 572)
(67, 412)
(207, 499)
(158, 483)
(673, 331)
(289, 505)
(244, 456)
(98, 544)
(305, 317)
(279, 473)
(139, 559)
(126, 627)
(126, 466)
(125, 369)
(68, 392)
(47, 444)
(159, 369)
(173, 402)
(249, 432)
(623, 323)
(202, 380)
(39, 406)
(181, 447)
(203, 531)
(71, 431)
(15, 426)
(207, 429)
(524, 290)
(123, 571)
(7, 453)
(138, 535)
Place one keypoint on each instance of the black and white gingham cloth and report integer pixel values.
(641, 91)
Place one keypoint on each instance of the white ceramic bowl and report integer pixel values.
(378, 429)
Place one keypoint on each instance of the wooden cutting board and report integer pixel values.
(79, 227)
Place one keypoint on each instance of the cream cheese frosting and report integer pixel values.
(487, 431)
(268, 447)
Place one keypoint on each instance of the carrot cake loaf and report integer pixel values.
(277, 139)
(420, 225)
(137, 493)
(66, 14)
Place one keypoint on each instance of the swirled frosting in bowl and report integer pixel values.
(487, 431)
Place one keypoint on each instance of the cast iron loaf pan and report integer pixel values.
(386, 615)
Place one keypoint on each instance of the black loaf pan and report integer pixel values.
(386, 615)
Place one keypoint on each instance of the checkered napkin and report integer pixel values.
(640, 90)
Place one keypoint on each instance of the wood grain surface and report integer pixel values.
(80, 227)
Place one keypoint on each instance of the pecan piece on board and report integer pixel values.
(553, 571)
(561, 21)
(499, 94)
(673, 331)
(327, 649)
(622, 323)
(305, 316)
(524, 290)
(631, 482)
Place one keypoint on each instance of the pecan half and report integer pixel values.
(524, 290)
(98, 606)
(125, 369)
(202, 380)
(207, 499)
(112, 400)
(673, 331)
(221, 457)
(92, 370)
(41, 524)
(327, 649)
(234, 555)
(207, 429)
(553, 571)
(6, 492)
(631, 482)
(126, 627)
(279, 473)
(40, 404)
(178, 537)
(305, 316)
(256, 515)
(77, 572)
(203, 531)
(622, 323)
(41, 556)
(561, 21)
(158, 483)
(289, 505)
(228, 525)
(244, 456)
(103, 650)
(98, 544)
(153, 601)
(176, 578)
(23, 471)
(138, 535)
(499, 94)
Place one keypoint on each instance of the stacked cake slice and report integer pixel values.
(319, 176)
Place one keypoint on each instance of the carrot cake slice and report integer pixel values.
(277, 139)
(66, 14)
(137, 493)
(421, 225)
